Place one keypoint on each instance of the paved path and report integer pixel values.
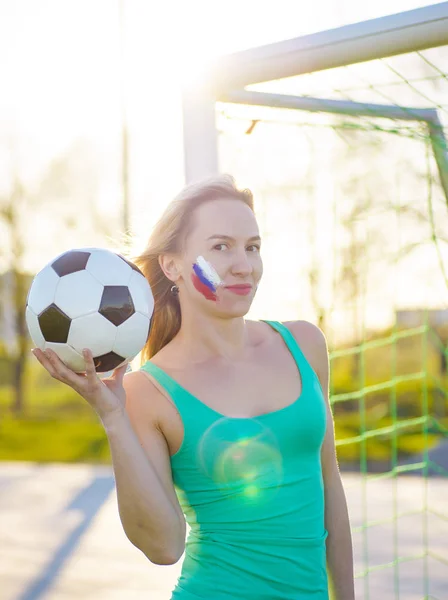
(61, 538)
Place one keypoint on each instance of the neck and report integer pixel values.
(206, 337)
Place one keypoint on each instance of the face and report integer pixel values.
(225, 233)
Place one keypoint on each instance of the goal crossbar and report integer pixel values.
(382, 37)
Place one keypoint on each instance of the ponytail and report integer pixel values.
(166, 319)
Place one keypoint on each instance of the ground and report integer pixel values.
(61, 538)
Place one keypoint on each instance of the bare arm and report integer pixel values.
(339, 540)
(149, 511)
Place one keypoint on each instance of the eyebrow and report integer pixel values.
(218, 236)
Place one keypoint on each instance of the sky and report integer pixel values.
(61, 78)
(64, 75)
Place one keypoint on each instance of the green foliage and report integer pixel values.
(390, 398)
(45, 396)
(5, 366)
(50, 440)
(57, 425)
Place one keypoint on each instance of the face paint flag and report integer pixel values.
(205, 279)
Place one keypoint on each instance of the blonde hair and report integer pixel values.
(168, 237)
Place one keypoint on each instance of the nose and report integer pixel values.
(242, 265)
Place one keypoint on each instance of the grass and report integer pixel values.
(56, 426)
(53, 440)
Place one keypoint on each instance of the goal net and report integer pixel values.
(349, 168)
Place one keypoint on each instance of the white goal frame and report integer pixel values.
(409, 31)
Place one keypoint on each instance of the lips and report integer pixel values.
(242, 289)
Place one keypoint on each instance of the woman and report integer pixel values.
(227, 422)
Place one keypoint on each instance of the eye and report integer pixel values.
(220, 247)
(253, 248)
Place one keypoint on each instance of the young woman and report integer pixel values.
(227, 424)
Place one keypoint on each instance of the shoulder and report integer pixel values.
(307, 332)
(145, 398)
(313, 343)
(138, 380)
(310, 338)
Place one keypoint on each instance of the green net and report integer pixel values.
(352, 202)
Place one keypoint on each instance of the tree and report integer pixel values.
(65, 193)
(10, 215)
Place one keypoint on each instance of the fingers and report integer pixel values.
(44, 361)
(57, 369)
(91, 374)
(120, 372)
(89, 362)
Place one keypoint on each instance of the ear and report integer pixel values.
(169, 266)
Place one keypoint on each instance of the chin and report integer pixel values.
(235, 314)
(235, 310)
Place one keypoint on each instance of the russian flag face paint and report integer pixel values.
(205, 279)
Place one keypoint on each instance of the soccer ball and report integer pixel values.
(90, 298)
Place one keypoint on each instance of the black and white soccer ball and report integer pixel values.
(90, 298)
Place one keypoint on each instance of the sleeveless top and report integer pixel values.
(252, 493)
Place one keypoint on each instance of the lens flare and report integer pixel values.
(241, 455)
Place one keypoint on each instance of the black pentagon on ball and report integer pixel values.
(116, 304)
(131, 264)
(71, 262)
(107, 362)
(54, 324)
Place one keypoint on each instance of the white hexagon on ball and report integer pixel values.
(108, 268)
(34, 328)
(93, 332)
(78, 294)
(131, 336)
(43, 290)
(141, 294)
(72, 359)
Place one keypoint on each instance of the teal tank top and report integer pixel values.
(252, 493)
